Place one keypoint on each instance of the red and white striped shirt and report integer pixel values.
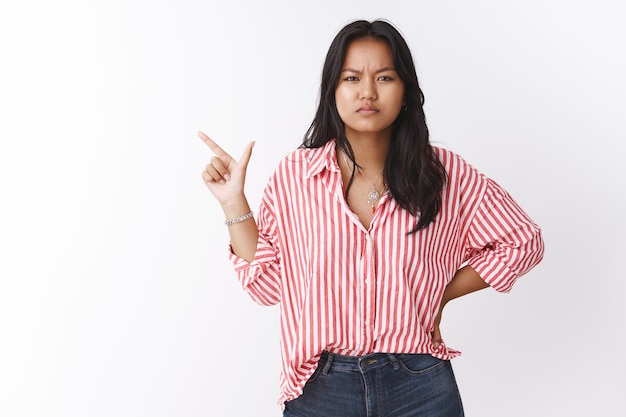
(354, 291)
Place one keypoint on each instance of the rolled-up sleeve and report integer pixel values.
(503, 243)
(260, 278)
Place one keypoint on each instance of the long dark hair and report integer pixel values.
(413, 174)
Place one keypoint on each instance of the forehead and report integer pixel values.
(368, 52)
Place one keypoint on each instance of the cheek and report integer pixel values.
(400, 96)
(341, 101)
(340, 95)
(398, 101)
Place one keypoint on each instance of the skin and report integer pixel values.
(369, 97)
(370, 94)
(225, 178)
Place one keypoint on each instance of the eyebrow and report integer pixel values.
(383, 69)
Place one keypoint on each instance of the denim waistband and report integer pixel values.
(356, 363)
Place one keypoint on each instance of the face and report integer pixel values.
(369, 94)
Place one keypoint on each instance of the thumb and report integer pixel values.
(436, 335)
(245, 157)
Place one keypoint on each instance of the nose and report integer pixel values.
(368, 90)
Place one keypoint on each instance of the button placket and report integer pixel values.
(369, 289)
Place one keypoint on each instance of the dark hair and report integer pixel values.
(413, 173)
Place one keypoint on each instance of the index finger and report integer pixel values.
(211, 144)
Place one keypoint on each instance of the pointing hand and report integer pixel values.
(224, 176)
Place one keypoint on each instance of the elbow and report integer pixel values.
(263, 293)
(538, 247)
(266, 300)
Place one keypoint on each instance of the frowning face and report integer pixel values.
(370, 94)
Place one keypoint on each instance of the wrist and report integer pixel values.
(236, 208)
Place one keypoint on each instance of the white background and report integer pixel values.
(116, 295)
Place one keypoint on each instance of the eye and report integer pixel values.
(385, 78)
(351, 78)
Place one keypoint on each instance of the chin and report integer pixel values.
(370, 129)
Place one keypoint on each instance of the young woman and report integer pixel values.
(364, 234)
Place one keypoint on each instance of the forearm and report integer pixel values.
(465, 281)
(245, 234)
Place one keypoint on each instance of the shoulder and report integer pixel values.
(297, 166)
(454, 164)
(300, 156)
(296, 160)
(307, 162)
(463, 179)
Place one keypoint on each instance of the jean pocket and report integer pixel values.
(316, 373)
(419, 364)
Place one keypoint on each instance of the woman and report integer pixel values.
(364, 234)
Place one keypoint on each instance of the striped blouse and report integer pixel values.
(353, 291)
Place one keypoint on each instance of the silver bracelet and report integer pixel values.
(238, 219)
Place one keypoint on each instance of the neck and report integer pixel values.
(370, 151)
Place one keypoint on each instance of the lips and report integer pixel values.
(367, 110)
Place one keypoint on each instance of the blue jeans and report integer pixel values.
(379, 385)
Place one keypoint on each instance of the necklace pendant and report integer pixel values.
(374, 195)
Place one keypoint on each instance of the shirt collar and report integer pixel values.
(323, 158)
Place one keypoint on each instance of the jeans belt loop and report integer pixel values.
(394, 361)
(329, 362)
